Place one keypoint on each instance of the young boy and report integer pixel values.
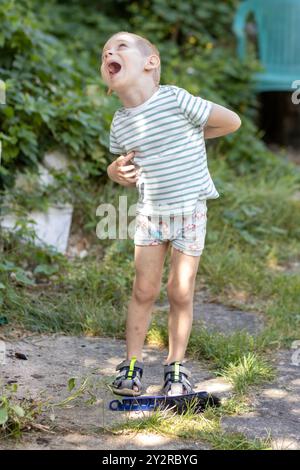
(160, 135)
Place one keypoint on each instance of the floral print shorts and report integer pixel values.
(186, 233)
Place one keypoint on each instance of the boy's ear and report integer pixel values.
(153, 61)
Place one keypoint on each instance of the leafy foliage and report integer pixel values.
(49, 59)
(49, 102)
(15, 415)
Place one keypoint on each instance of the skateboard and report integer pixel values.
(197, 401)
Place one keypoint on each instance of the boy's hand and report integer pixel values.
(123, 172)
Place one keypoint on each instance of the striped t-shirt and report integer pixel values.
(166, 134)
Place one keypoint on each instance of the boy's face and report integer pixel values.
(122, 62)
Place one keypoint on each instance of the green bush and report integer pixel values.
(49, 59)
(50, 100)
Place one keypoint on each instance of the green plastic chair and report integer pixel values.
(278, 36)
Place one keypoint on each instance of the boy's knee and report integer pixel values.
(144, 292)
(180, 295)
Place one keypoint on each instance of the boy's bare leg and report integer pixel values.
(149, 262)
(181, 284)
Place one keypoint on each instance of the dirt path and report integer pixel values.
(54, 359)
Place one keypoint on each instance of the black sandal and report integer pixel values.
(176, 380)
(130, 375)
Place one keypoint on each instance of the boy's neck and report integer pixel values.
(136, 96)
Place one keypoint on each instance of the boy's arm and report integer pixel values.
(221, 121)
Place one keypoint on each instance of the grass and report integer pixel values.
(242, 264)
(253, 234)
(238, 441)
(253, 238)
(238, 357)
(190, 426)
(219, 348)
(249, 370)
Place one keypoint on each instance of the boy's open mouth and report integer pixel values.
(114, 68)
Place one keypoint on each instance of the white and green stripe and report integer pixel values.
(166, 134)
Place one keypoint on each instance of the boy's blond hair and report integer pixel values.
(146, 48)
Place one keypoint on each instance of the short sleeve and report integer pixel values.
(114, 147)
(194, 108)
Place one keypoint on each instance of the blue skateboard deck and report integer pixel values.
(198, 401)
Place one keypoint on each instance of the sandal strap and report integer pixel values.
(176, 373)
(130, 368)
(130, 374)
(176, 368)
(127, 363)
